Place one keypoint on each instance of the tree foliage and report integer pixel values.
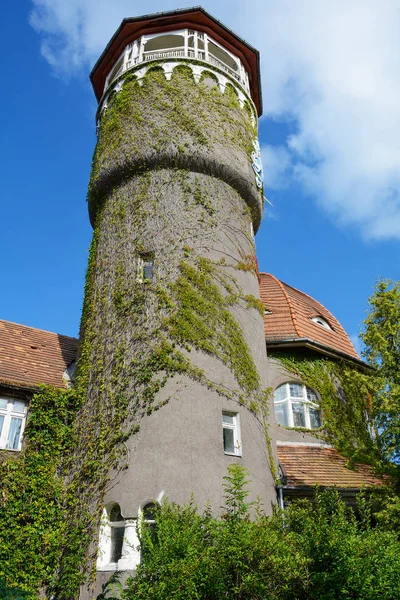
(381, 336)
(7, 593)
(317, 550)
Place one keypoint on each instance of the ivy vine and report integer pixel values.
(346, 393)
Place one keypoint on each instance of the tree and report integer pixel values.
(199, 557)
(7, 593)
(381, 336)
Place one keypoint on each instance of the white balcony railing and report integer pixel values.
(175, 53)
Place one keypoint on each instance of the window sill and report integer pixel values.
(232, 454)
(109, 567)
(304, 429)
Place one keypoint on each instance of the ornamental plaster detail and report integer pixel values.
(257, 164)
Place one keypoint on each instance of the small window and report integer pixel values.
(231, 433)
(149, 515)
(145, 269)
(12, 423)
(115, 70)
(322, 322)
(297, 406)
(117, 524)
(111, 538)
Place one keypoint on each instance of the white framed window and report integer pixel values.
(111, 538)
(297, 405)
(12, 423)
(117, 526)
(321, 321)
(231, 433)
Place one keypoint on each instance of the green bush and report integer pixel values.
(314, 550)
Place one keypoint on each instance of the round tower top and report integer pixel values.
(196, 19)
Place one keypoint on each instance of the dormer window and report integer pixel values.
(297, 405)
(321, 321)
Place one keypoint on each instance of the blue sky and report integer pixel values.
(330, 138)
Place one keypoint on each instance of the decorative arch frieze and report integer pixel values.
(168, 68)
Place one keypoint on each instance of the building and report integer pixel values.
(173, 362)
(30, 357)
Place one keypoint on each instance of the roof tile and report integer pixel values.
(29, 356)
(315, 465)
(289, 314)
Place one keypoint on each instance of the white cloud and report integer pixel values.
(332, 67)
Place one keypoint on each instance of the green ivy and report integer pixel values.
(346, 394)
(32, 494)
(201, 116)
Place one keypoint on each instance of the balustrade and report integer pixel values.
(176, 53)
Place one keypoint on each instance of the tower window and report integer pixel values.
(12, 423)
(149, 515)
(297, 406)
(111, 538)
(145, 269)
(117, 524)
(231, 433)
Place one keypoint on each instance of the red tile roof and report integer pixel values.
(289, 313)
(315, 465)
(29, 357)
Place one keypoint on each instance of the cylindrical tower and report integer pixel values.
(173, 361)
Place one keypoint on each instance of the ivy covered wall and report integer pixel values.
(171, 180)
(33, 495)
(346, 392)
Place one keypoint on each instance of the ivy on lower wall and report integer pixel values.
(346, 395)
(192, 313)
(32, 495)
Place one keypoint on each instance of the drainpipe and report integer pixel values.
(280, 497)
(282, 481)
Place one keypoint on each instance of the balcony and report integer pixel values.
(176, 45)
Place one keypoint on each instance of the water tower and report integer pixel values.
(173, 359)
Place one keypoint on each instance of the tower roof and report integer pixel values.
(30, 357)
(294, 318)
(192, 18)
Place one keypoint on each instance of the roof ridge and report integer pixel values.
(291, 308)
(70, 337)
